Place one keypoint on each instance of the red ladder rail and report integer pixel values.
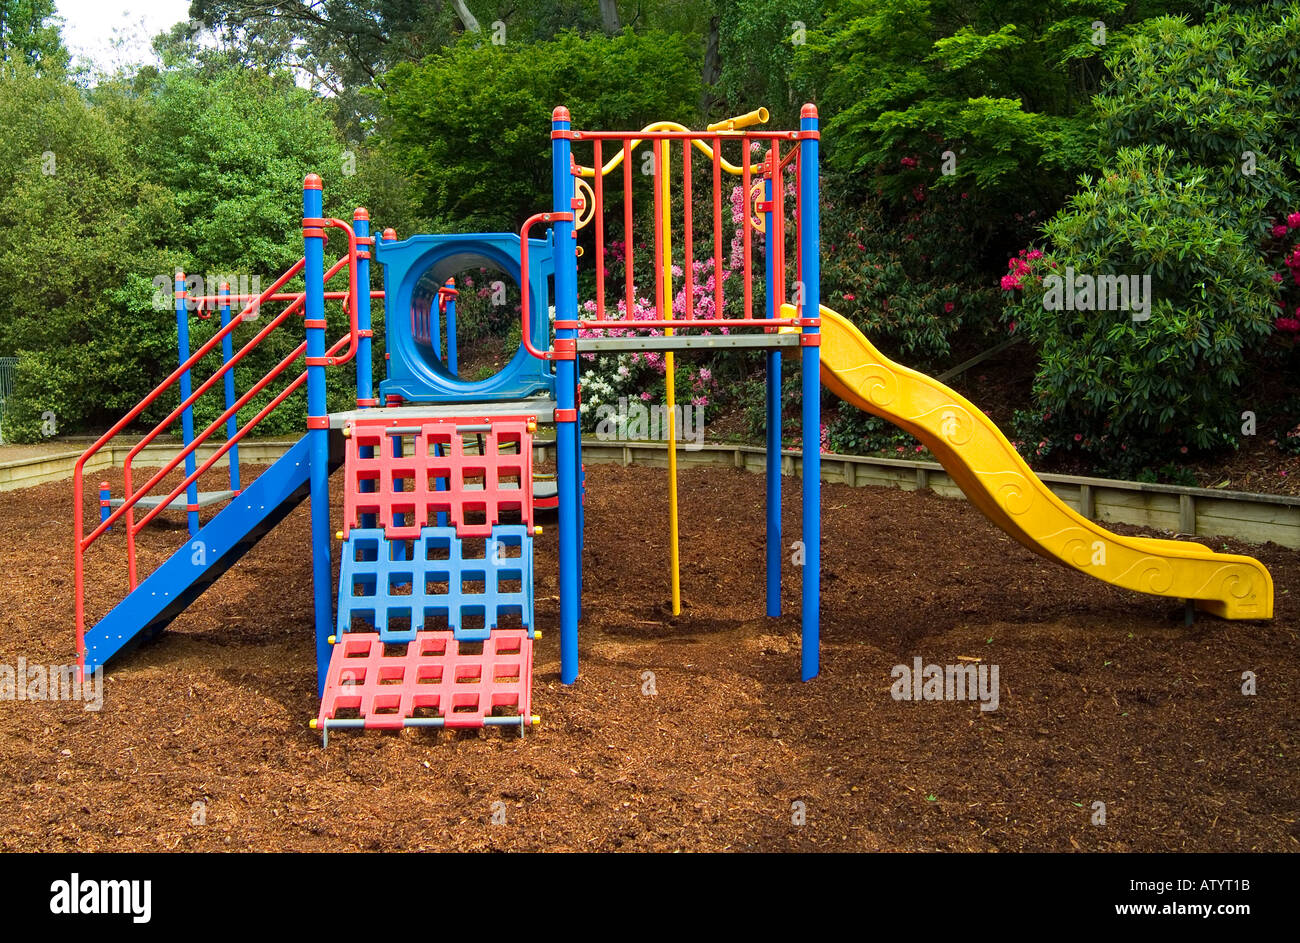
(341, 352)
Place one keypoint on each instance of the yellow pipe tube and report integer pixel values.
(757, 116)
(666, 305)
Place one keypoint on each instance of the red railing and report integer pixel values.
(525, 330)
(340, 352)
(771, 168)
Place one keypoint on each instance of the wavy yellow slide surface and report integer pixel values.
(996, 479)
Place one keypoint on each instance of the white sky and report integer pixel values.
(111, 34)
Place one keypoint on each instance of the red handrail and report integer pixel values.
(523, 278)
(81, 541)
(131, 497)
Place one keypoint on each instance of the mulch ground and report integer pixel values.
(1105, 697)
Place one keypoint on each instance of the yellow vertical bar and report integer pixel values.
(666, 305)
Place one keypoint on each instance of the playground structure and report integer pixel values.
(432, 621)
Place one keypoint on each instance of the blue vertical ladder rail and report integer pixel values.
(566, 383)
(232, 423)
(187, 416)
(810, 363)
(313, 237)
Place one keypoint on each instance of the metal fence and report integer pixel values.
(7, 365)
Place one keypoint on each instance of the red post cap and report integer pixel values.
(451, 283)
(808, 111)
(361, 213)
(560, 113)
(390, 234)
(312, 182)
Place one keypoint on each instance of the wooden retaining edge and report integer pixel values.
(1193, 512)
(25, 473)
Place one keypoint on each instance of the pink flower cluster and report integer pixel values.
(1292, 262)
(1020, 267)
(1287, 324)
(1281, 229)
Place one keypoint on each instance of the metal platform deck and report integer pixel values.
(540, 406)
(615, 345)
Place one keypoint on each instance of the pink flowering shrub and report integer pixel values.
(1127, 383)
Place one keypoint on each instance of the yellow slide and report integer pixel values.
(996, 479)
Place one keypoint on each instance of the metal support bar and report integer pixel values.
(810, 364)
(605, 345)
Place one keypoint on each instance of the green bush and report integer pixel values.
(1111, 381)
(904, 278)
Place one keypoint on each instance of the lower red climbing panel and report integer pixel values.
(432, 680)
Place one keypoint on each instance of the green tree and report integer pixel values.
(108, 193)
(81, 222)
(757, 41)
(1204, 206)
(29, 34)
(471, 127)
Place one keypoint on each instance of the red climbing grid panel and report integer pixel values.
(385, 685)
(438, 476)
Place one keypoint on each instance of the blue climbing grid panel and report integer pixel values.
(438, 581)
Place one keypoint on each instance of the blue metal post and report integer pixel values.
(105, 509)
(773, 451)
(317, 422)
(232, 424)
(187, 416)
(810, 362)
(566, 384)
(451, 330)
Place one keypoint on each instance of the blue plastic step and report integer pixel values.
(167, 591)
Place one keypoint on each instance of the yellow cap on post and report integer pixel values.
(312, 723)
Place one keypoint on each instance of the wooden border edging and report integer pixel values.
(28, 472)
(1193, 512)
